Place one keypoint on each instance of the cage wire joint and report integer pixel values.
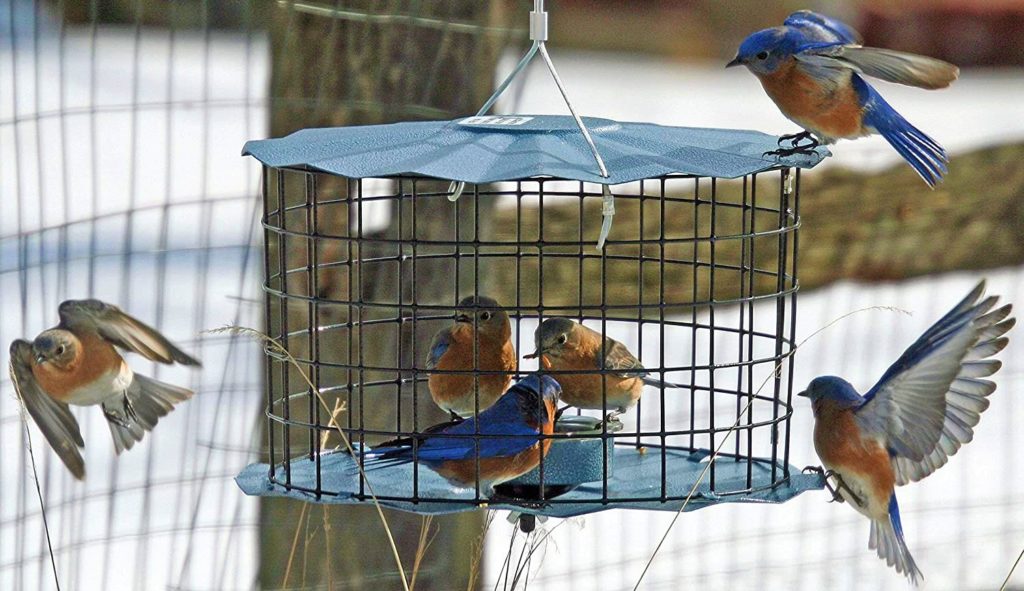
(539, 35)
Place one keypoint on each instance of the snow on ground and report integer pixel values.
(90, 131)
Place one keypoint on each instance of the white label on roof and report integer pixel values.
(495, 120)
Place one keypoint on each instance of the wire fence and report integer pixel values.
(120, 181)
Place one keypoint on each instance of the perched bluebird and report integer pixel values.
(77, 363)
(566, 345)
(811, 67)
(479, 320)
(908, 425)
(509, 442)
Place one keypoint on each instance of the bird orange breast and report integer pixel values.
(839, 444)
(501, 469)
(490, 355)
(96, 358)
(834, 112)
(584, 390)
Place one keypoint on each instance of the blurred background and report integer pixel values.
(121, 123)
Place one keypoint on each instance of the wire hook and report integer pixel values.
(539, 35)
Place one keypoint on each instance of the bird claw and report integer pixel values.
(613, 417)
(129, 415)
(795, 138)
(795, 145)
(129, 409)
(116, 419)
(807, 150)
(836, 497)
(839, 486)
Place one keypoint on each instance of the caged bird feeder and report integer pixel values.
(680, 243)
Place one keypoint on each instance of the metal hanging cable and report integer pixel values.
(539, 36)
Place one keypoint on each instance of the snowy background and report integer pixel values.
(120, 179)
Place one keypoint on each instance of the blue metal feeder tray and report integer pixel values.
(574, 472)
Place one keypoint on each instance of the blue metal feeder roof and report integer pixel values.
(514, 147)
(636, 475)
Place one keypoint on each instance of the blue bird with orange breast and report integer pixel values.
(509, 443)
(811, 68)
(909, 424)
(77, 362)
(611, 376)
(479, 340)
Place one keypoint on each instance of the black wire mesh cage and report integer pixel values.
(697, 279)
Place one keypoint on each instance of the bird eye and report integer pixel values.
(60, 350)
(763, 55)
(485, 316)
(562, 338)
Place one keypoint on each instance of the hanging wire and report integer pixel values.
(539, 35)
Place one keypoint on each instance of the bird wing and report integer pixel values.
(822, 28)
(886, 64)
(53, 418)
(927, 402)
(496, 441)
(438, 346)
(618, 357)
(825, 44)
(966, 399)
(503, 428)
(122, 330)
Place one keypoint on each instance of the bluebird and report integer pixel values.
(509, 443)
(812, 68)
(77, 362)
(480, 324)
(566, 345)
(920, 412)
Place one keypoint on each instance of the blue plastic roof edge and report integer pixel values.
(517, 147)
(636, 475)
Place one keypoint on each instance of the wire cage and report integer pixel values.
(697, 277)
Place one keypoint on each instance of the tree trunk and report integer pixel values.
(350, 63)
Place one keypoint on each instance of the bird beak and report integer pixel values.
(40, 358)
(804, 394)
(533, 355)
(735, 62)
(462, 318)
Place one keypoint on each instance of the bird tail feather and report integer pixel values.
(150, 399)
(887, 540)
(373, 462)
(924, 154)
